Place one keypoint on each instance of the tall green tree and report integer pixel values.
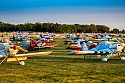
(115, 31)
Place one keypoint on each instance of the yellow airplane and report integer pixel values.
(11, 55)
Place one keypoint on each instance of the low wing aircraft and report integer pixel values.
(18, 37)
(78, 46)
(11, 54)
(103, 36)
(103, 48)
(38, 45)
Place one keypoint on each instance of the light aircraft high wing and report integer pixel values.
(11, 54)
(103, 48)
(78, 46)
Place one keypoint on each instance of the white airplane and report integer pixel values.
(103, 37)
(11, 55)
(18, 37)
(103, 48)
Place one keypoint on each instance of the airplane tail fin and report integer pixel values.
(84, 47)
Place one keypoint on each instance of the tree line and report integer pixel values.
(58, 28)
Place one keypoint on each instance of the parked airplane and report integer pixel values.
(36, 44)
(73, 39)
(78, 46)
(18, 37)
(103, 36)
(11, 54)
(103, 48)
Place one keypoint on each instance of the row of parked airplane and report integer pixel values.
(82, 46)
(10, 51)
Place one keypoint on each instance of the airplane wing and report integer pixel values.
(13, 56)
(89, 52)
(2, 55)
(82, 52)
(43, 47)
(34, 54)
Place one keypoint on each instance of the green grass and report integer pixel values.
(62, 68)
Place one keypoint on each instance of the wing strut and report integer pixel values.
(109, 56)
(4, 58)
(119, 55)
(12, 53)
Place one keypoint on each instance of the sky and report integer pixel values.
(100, 12)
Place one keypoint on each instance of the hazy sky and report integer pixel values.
(104, 12)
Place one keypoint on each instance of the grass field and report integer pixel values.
(62, 68)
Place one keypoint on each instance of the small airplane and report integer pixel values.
(11, 54)
(36, 44)
(78, 46)
(18, 37)
(103, 37)
(103, 48)
(73, 39)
